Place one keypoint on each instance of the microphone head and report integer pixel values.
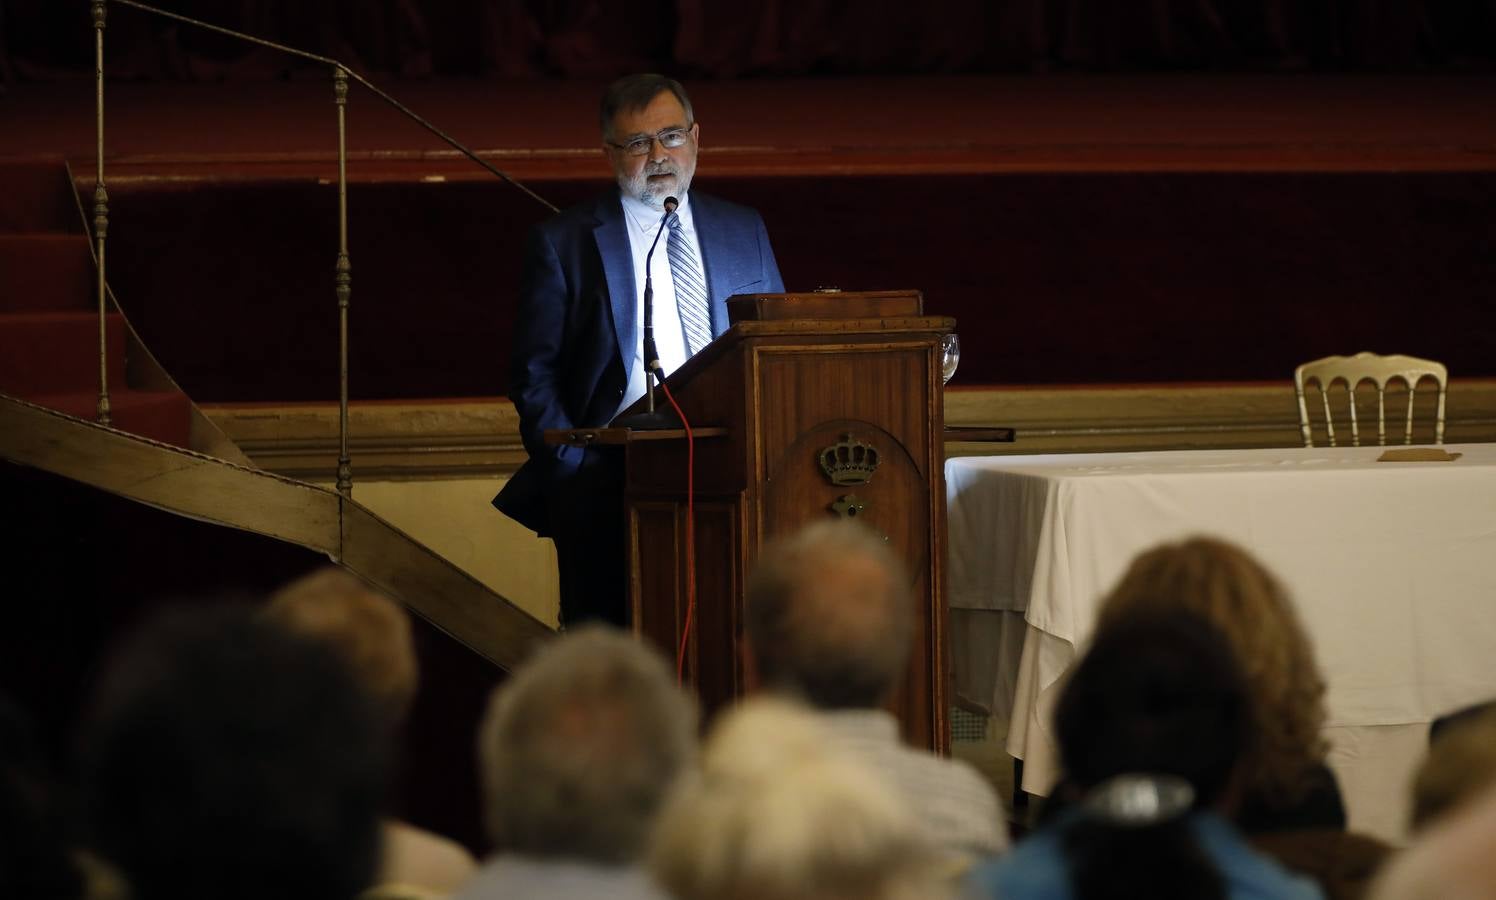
(671, 204)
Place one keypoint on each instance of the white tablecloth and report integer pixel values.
(1393, 567)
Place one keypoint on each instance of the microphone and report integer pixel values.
(654, 373)
(651, 352)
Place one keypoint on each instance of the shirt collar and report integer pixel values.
(646, 219)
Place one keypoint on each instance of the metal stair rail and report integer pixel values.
(343, 268)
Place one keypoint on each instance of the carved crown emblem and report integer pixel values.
(849, 461)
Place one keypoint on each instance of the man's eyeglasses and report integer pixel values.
(670, 139)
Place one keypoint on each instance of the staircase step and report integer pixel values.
(46, 272)
(159, 415)
(38, 197)
(57, 352)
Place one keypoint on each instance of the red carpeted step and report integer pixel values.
(159, 415)
(46, 271)
(49, 326)
(38, 197)
(57, 352)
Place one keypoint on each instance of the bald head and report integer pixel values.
(830, 617)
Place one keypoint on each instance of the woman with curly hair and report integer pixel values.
(1287, 801)
(1287, 784)
(1152, 726)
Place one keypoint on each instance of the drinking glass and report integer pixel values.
(950, 357)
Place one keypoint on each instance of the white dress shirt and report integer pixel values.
(643, 222)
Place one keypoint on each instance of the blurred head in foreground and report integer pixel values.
(371, 634)
(830, 618)
(226, 758)
(777, 813)
(1453, 858)
(580, 746)
(1151, 726)
(367, 630)
(1461, 763)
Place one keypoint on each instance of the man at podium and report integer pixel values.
(577, 359)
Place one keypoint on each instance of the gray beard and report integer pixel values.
(651, 195)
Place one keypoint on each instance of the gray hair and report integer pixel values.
(781, 812)
(633, 92)
(580, 746)
(830, 616)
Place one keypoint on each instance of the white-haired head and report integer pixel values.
(778, 813)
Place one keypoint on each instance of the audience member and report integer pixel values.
(1289, 803)
(372, 635)
(226, 758)
(1343, 863)
(830, 621)
(1288, 785)
(1153, 727)
(578, 751)
(1461, 763)
(779, 811)
(1454, 858)
(1459, 716)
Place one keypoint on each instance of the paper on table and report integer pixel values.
(1418, 454)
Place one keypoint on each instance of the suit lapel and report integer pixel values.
(613, 246)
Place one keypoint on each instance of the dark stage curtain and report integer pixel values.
(41, 39)
(805, 36)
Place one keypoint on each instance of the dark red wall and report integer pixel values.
(1053, 278)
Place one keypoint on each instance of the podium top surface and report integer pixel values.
(616, 435)
(825, 305)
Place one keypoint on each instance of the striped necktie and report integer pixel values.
(691, 298)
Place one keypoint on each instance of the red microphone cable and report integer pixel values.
(685, 636)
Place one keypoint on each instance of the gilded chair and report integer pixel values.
(1353, 371)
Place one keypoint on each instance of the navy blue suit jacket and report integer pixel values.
(577, 334)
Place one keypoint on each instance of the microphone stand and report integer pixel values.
(652, 419)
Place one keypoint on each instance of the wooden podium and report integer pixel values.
(809, 406)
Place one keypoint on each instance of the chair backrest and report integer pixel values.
(1379, 370)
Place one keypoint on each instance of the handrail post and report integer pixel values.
(344, 280)
(344, 270)
(101, 213)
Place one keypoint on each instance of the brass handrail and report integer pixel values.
(101, 212)
(343, 280)
(343, 269)
(327, 60)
